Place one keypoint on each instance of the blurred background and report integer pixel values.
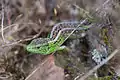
(24, 20)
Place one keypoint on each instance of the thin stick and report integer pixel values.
(9, 27)
(33, 72)
(16, 24)
(2, 22)
(99, 65)
(82, 22)
(103, 5)
(16, 42)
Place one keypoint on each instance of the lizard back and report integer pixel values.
(67, 28)
(61, 26)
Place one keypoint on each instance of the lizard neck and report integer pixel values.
(59, 41)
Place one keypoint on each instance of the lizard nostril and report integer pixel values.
(38, 47)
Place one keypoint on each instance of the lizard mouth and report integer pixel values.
(30, 49)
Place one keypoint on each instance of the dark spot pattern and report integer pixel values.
(40, 41)
(63, 25)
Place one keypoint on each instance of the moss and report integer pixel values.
(106, 37)
(106, 78)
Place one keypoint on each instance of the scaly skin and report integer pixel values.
(59, 34)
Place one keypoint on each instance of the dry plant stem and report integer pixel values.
(16, 42)
(16, 24)
(98, 66)
(44, 61)
(23, 40)
(9, 27)
(107, 1)
(2, 22)
(8, 15)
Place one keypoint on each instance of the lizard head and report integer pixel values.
(39, 45)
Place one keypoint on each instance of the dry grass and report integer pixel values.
(25, 20)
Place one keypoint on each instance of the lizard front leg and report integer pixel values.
(63, 48)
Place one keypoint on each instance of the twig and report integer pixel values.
(9, 27)
(27, 78)
(2, 22)
(103, 5)
(99, 65)
(23, 40)
(16, 24)
(44, 61)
